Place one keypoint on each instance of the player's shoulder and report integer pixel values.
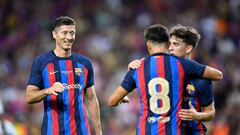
(181, 59)
(80, 57)
(175, 57)
(44, 57)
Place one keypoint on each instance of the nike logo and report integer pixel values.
(51, 73)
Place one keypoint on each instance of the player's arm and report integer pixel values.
(198, 70)
(93, 109)
(34, 92)
(117, 97)
(120, 93)
(212, 73)
(207, 114)
(35, 95)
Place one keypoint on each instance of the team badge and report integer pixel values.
(78, 71)
(190, 88)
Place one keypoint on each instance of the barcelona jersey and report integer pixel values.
(199, 92)
(160, 82)
(64, 114)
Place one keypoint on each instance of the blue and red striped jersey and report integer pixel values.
(199, 92)
(65, 113)
(160, 82)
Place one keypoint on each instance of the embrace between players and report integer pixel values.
(174, 97)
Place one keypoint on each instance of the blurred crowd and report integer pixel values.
(110, 33)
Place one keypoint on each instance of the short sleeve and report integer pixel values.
(205, 94)
(193, 69)
(35, 74)
(129, 83)
(90, 76)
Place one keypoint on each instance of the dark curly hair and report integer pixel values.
(189, 35)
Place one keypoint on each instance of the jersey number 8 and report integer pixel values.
(159, 95)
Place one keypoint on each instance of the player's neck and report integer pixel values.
(62, 53)
(156, 47)
(158, 50)
(188, 56)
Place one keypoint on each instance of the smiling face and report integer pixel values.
(64, 36)
(179, 48)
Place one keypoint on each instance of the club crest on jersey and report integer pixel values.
(190, 88)
(78, 71)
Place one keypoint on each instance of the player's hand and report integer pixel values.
(124, 100)
(56, 87)
(99, 132)
(189, 114)
(134, 64)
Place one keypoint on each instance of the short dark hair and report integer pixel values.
(189, 35)
(157, 33)
(63, 20)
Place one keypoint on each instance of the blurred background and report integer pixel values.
(110, 32)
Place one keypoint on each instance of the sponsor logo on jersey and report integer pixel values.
(72, 86)
(51, 73)
(158, 119)
(66, 72)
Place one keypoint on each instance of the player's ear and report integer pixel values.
(149, 46)
(189, 49)
(54, 34)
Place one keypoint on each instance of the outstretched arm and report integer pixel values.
(212, 73)
(35, 95)
(207, 114)
(93, 109)
(117, 97)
